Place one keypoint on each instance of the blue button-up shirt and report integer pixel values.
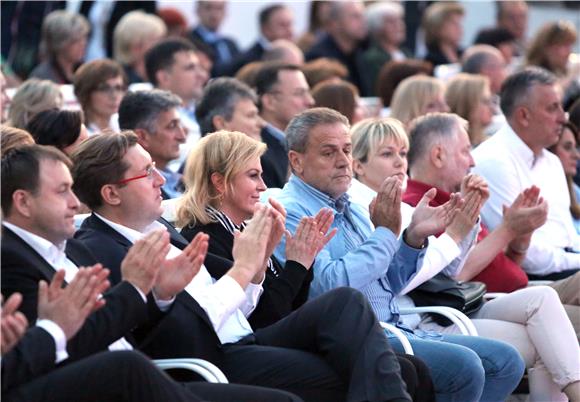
(372, 261)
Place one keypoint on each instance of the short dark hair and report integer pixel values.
(21, 170)
(99, 161)
(160, 56)
(494, 36)
(140, 109)
(266, 13)
(220, 98)
(59, 128)
(515, 89)
(267, 76)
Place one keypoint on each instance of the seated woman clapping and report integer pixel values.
(223, 177)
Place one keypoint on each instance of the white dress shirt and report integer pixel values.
(56, 257)
(510, 166)
(225, 301)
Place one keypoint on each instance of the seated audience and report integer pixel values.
(416, 96)
(391, 75)
(11, 137)
(36, 241)
(501, 39)
(550, 48)
(318, 18)
(173, 65)
(282, 93)
(488, 61)
(248, 73)
(99, 86)
(136, 33)
(345, 32)
(276, 21)
(443, 25)
(312, 355)
(174, 20)
(533, 319)
(31, 97)
(513, 16)
(515, 159)
(340, 96)
(63, 129)
(378, 264)
(386, 23)
(323, 69)
(469, 96)
(567, 150)
(153, 116)
(63, 44)
(220, 203)
(210, 16)
(285, 51)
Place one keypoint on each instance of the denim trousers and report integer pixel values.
(467, 368)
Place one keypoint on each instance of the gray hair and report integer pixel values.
(476, 58)
(300, 126)
(59, 28)
(375, 13)
(516, 88)
(220, 98)
(429, 129)
(141, 109)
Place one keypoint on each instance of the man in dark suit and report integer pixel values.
(38, 207)
(346, 32)
(330, 349)
(210, 15)
(276, 22)
(283, 93)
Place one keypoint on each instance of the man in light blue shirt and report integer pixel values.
(464, 368)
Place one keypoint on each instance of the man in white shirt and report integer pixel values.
(322, 351)
(39, 207)
(516, 158)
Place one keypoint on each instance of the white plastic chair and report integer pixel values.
(462, 322)
(208, 371)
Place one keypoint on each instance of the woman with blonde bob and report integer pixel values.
(416, 96)
(223, 179)
(469, 96)
(31, 98)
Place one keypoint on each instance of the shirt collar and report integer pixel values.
(207, 35)
(223, 219)
(340, 204)
(53, 253)
(420, 188)
(130, 234)
(519, 148)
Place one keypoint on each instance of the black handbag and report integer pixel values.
(441, 290)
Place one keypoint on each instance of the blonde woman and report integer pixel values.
(469, 96)
(416, 96)
(32, 97)
(223, 178)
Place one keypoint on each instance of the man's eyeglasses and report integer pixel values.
(148, 173)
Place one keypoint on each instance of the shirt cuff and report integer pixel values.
(143, 295)
(59, 337)
(230, 290)
(163, 305)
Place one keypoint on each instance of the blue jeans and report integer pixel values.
(468, 368)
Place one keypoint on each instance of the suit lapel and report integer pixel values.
(40, 263)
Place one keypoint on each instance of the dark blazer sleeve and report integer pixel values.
(282, 294)
(33, 356)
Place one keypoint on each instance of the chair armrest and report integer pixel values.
(209, 371)
(462, 321)
(400, 336)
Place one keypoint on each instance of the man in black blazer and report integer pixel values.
(330, 349)
(38, 207)
(283, 93)
(29, 370)
(276, 22)
(210, 15)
